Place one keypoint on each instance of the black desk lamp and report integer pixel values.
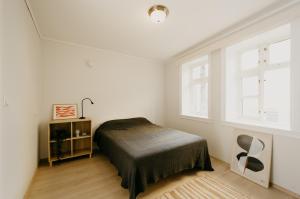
(82, 106)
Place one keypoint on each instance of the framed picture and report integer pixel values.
(64, 111)
(251, 156)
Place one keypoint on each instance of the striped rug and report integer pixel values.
(204, 187)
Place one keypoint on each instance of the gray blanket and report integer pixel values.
(144, 153)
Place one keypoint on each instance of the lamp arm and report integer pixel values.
(82, 106)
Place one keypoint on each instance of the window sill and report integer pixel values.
(196, 118)
(262, 128)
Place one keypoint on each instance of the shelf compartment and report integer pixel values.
(84, 128)
(58, 127)
(65, 150)
(82, 146)
(81, 152)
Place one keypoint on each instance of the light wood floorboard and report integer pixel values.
(97, 178)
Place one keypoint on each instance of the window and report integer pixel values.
(195, 88)
(258, 80)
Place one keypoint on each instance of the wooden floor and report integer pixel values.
(97, 178)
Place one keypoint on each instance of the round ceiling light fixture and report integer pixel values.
(158, 13)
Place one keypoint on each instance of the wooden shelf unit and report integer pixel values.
(72, 146)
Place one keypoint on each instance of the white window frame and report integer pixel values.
(263, 66)
(206, 79)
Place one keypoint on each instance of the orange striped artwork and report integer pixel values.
(64, 111)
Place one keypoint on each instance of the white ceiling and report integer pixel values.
(123, 25)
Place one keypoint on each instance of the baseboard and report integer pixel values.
(43, 161)
(280, 188)
(275, 186)
(26, 195)
(228, 164)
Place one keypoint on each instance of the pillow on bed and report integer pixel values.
(123, 124)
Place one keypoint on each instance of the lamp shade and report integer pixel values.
(158, 13)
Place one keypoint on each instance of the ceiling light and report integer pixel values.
(158, 13)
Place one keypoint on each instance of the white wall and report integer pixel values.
(21, 74)
(219, 134)
(121, 86)
(1, 88)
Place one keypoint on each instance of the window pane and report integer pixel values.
(250, 86)
(204, 100)
(197, 95)
(250, 59)
(200, 99)
(204, 71)
(196, 72)
(200, 71)
(277, 95)
(250, 107)
(280, 52)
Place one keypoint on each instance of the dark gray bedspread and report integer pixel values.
(144, 153)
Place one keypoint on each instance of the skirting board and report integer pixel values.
(26, 195)
(295, 195)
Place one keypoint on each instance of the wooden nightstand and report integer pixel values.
(72, 144)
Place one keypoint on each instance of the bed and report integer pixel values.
(144, 152)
